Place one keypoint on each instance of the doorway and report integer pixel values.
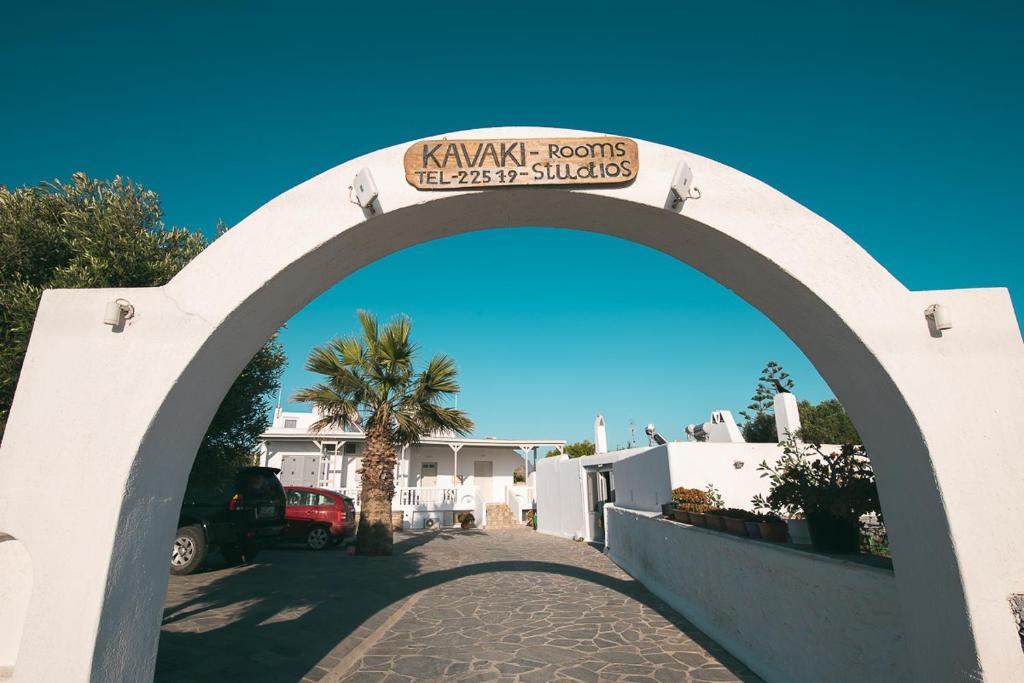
(482, 472)
(600, 490)
(428, 475)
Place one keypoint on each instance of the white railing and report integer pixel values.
(411, 496)
(428, 496)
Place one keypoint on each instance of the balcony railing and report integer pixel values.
(411, 496)
(427, 496)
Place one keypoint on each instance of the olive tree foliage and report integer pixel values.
(110, 233)
(826, 422)
(574, 450)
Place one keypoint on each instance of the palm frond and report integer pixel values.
(437, 379)
(370, 334)
(335, 409)
(350, 351)
(323, 361)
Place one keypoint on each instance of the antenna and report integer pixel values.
(632, 433)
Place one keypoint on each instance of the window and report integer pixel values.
(324, 500)
(350, 448)
(291, 424)
(294, 498)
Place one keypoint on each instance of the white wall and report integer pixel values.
(791, 616)
(561, 491)
(645, 481)
(15, 590)
(560, 497)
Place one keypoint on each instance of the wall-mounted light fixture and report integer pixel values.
(117, 312)
(737, 464)
(939, 317)
(682, 184)
(364, 189)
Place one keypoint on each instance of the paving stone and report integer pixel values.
(510, 606)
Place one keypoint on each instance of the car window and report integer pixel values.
(295, 498)
(325, 500)
(255, 484)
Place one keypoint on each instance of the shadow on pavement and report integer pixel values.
(281, 615)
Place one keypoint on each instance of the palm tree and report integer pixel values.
(370, 381)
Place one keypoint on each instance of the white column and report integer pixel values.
(456, 447)
(787, 415)
(600, 436)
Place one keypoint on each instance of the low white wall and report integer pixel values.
(789, 615)
(646, 480)
(561, 491)
(560, 500)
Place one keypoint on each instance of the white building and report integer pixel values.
(436, 478)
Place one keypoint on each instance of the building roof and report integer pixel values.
(294, 425)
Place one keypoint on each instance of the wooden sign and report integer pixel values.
(516, 162)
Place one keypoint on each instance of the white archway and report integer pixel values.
(132, 404)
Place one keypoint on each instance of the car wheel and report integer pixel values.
(237, 554)
(189, 550)
(318, 538)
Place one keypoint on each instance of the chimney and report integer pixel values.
(787, 415)
(600, 437)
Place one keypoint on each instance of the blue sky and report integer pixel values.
(899, 123)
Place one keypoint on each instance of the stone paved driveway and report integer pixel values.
(449, 606)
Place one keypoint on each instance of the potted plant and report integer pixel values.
(689, 502)
(466, 520)
(735, 520)
(712, 516)
(833, 490)
(771, 527)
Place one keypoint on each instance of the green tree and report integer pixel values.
(760, 414)
(110, 233)
(574, 450)
(371, 380)
(826, 422)
(760, 429)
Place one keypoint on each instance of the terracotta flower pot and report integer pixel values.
(735, 526)
(698, 519)
(773, 531)
(716, 522)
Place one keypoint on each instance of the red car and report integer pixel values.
(319, 516)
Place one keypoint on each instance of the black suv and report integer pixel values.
(237, 516)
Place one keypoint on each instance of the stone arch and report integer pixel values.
(153, 385)
(15, 589)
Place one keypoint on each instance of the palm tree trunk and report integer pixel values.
(375, 535)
